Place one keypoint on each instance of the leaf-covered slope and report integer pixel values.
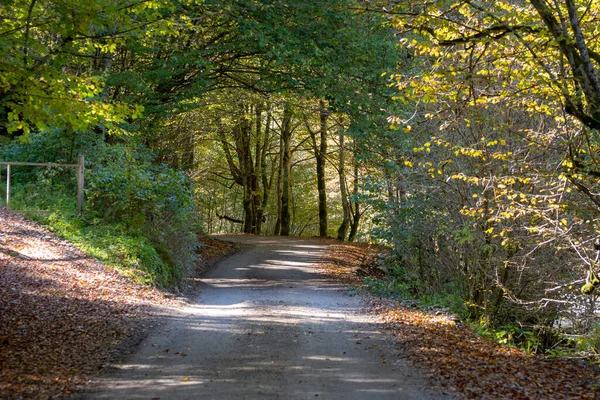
(62, 311)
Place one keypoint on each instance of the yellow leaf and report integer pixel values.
(186, 379)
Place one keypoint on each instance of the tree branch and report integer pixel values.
(583, 51)
(494, 32)
(230, 219)
(27, 27)
(585, 191)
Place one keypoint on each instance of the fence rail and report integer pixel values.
(37, 164)
(80, 177)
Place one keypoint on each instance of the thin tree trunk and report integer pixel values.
(343, 229)
(257, 173)
(321, 153)
(277, 229)
(286, 136)
(266, 182)
(355, 205)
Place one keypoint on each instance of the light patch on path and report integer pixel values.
(267, 325)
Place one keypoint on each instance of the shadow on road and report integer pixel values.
(266, 324)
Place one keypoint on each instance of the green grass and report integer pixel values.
(397, 288)
(128, 251)
(132, 255)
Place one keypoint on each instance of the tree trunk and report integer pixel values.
(187, 158)
(286, 136)
(244, 173)
(277, 229)
(320, 155)
(320, 151)
(267, 180)
(257, 172)
(245, 159)
(355, 205)
(343, 229)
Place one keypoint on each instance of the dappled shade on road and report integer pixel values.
(267, 324)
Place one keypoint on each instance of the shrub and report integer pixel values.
(139, 214)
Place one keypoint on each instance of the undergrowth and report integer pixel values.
(136, 252)
(396, 284)
(130, 252)
(395, 288)
(139, 214)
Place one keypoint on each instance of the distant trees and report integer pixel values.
(284, 59)
(102, 66)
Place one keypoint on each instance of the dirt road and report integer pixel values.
(267, 325)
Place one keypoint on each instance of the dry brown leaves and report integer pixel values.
(459, 361)
(61, 311)
(212, 250)
(345, 261)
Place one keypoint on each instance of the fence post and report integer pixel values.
(80, 177)
(8, 186)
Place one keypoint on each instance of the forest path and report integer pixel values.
(267, 324)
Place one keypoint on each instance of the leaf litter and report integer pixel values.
(64, 314)
(456, 359)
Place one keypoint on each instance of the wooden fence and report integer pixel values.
(80, 177)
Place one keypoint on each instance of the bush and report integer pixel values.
(139, 215)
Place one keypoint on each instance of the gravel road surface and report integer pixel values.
(267, 325)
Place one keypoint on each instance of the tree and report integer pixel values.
(356, 212)
(55, 54)
(286, 162)
(252, 137)
(552, 42)
(343, 228)
(490, 183)
(320, 151)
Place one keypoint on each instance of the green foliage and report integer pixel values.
(401, 283)
(389, 287)
(139, 215)
(46, 78)
(149, 200)
(124, 185)
(513, 336)
(133, 255)
(590, 343)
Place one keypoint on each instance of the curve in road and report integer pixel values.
(266, 324)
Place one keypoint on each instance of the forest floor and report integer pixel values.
(457, 360)
(64, 315)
